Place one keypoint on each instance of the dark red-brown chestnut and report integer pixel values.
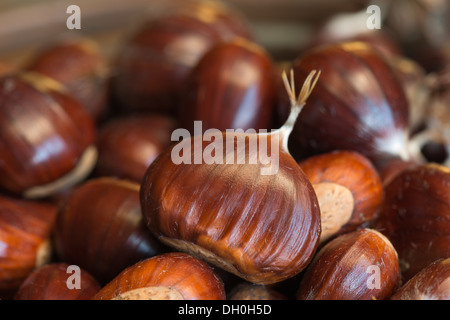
(128, 144)
(25, 239)
(416, 216)
(349, 190)
(169, 276)
(58, 281)
(78, 64)
(152, 65)
(47, 137)
(430, 283)
(359, 104)
(359, 265)
(100, 228)
(232, 87)
(217, 197)
(252, 291)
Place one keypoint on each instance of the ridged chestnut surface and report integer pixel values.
(25, 239)
(360, 265)
(359, 104)
(100, 228)
(349, 190)
(47, 136)
(56, 281)
(238, 213)
(152, 66)
(127, 145)
(170, 276)
(416, 216)
(232, 87)
(430, 283)
(80, 66)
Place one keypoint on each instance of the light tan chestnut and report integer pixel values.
(360, 265)
(431, 283)
(256, 220)
(349, 190)
(169, 276)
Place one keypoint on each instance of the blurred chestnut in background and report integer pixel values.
(25, 239)
(430, 283)
(127, 145)
(416, 216)
(170, 276)
(100, 228)
(359, 104)
(48, 137)
(360, 265)
(231, 87)
(348, 188)
(153, 64)
(251, 291)
(54, 282)
(80, 65)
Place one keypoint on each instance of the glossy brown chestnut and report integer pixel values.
(100, 228)
(359, 104)
(153, 64)
(360, 265)
(232, 87)
(54, 282)
(80, 66)
(258, 220)
(47, 139)
(25, 239)
(349, 190)
(127, 145)
(431, 283)
(416, 216)
(251, 291)
(170, 276)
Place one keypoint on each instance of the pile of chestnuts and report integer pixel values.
(350, 201)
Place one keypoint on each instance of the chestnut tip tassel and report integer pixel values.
(264, 228)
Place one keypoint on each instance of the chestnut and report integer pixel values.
(251, 291)
(416, 214)
(359, 265)
(232, 87)
(100, 228)
(359, 104)
(348, 188)
(48, 137)
(53, 282)
(127, 145)
(258, 219)
(25, 239)
(430, 283)
(169, 276)
(153, 64)
(79, 65)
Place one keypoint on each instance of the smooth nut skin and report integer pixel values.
(80, 66)
(416, 216)
(44, 131)
(355, 172)
(263, 228)
(153, 65)
(127, 145)
(25, 231)
(100, 228)
(358, 104)
(431, 283)
(53, 282)
(231, 87)
(341, 270)
(189, 276)
(251, 291)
